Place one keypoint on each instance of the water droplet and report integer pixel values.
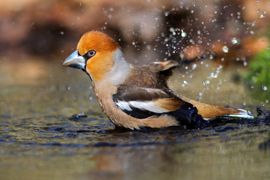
(184, 83)
(200, 94)
(172, 30)
(183, 33)
(182, 56)
(194, 66)
(206, 82)
(90, 98)
(235, 41)
(225, 49)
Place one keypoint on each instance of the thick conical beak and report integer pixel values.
(74, 60)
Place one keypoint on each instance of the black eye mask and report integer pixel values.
(89, 54)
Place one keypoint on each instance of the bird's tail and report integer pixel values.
(209, 112)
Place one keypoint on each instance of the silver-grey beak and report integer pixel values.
(74, 60)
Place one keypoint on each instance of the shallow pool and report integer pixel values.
(41, 139)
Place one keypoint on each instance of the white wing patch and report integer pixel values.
(242, 114)
(153, 90)
(123, 105)
(142, 105)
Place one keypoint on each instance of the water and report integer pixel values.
(39, 138)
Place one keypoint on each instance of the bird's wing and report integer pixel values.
(141, 102)
(160, 66)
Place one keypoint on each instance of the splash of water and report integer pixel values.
(207, 82)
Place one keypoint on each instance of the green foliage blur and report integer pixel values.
(258, 76)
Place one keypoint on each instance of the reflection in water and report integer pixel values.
(40, 139)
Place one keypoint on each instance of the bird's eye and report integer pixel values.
(91, 53)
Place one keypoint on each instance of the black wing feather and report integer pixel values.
(186, 114)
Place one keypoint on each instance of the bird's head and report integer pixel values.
(96, 54)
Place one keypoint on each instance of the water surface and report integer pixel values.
(39, 138)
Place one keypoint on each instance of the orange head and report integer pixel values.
(95, 54)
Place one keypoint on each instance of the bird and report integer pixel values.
(136, 97)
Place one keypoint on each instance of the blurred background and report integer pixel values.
(184, 30)
(229, 35)
(223, 49)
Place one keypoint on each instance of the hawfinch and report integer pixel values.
(136, 97)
